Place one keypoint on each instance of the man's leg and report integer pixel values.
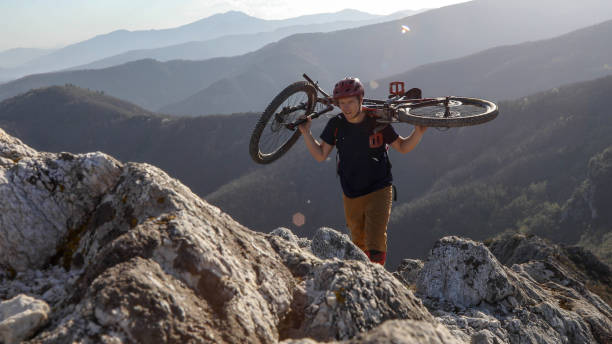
(354, 212)
(377, 212)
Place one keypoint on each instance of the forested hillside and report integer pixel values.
(203, 152)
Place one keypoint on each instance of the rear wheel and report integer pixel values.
(448, 112)
(271, 138)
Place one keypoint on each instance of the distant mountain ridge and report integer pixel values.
(119, 41)
(14, 57)
(231, 45)
(513, 71)
(248, 82)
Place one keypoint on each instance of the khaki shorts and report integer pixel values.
(367, 217)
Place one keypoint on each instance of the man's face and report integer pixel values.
(350, 106)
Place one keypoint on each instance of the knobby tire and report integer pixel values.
(271, 125)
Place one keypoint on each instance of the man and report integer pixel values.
(363, 166)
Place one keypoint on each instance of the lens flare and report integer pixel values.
(405, 29)
(299, 219)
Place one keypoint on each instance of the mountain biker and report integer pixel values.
(363, 165)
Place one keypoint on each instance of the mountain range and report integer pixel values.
(124, 42)
(247, 82)
(14, 57)
(513, 71)
(231, 45)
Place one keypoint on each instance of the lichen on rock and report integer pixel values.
(125, 253)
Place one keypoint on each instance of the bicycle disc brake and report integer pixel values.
(280, 117)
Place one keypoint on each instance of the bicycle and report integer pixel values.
(275, 132)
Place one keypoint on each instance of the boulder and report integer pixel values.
(408, 271)
(46, 199)
(328, 243)
(469, 290)
(21, 317)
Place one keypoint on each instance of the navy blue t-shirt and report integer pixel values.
(362, 169)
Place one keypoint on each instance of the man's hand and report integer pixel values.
(305, 127)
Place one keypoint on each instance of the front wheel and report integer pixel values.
(448, 112)
(271, 138)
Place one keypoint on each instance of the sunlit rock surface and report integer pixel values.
(470, 291)
(44, 198)
(328, 243)
(21, 317)
(129, 255)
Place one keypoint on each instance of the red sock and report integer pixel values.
(377, 256)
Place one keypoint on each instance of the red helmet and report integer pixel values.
(348, 87)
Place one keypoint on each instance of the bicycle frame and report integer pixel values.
(385, 110)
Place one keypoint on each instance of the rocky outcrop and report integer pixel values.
(45, 198)
(470, 291)
(408, 271)
(570, 266)
(152, 262)
(132, 255)
(21, 317)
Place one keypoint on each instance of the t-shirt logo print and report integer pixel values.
(376, 140)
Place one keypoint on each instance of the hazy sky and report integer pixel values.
(55, 23)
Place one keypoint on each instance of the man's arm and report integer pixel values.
(406, 144)
(319, 151)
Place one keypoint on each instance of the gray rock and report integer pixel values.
(139, 258)
(407, 332)
(45, 198)
(328, 243)
(468, 290)
(287, 234)
(465, 273)
(338, 299)
(408, 271)
(397, 332)
(21, 317)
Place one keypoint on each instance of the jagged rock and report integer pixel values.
(149, 254)
(21, 317)
(48, 284)
(407, 332)
(328, 243)
(45, 199)
(398, 332)
(467, 289)
(408, 271)
(465, 273)
(570, 266)
(338, 299)
(287, 234)
(148, 261)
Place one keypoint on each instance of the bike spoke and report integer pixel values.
(455, 109)
(275, 134)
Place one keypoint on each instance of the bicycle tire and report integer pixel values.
(464, 112)
(294, 101)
